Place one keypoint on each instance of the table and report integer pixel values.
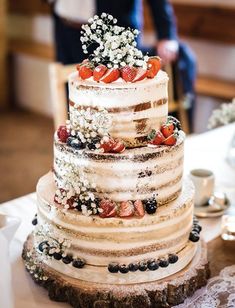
(207, 150)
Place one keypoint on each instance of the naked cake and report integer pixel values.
(115, 225)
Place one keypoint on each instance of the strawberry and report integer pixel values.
(128, 73)
(107, 144)
(99, 72)
(63, 133)
(85, 72)
(154, 65)
(80, 64)
(126, 209)
(171, 140)
(158, 139)
(119, 147)
(139, 208)
(111, 75)
(141, 74)
(167, 129)
(108, 207)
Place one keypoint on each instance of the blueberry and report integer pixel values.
(172, 258)
(153, 266)
(78, 263)
(43, 246)
(67, 259)
(113, 267)
(197, 228)
(151, 206)
(123, 269)
(163, 263)
(93, 143)
(142, 266)
(75, 143)
(133, 267)
(57, 255)
(34, 221)
(194, 236)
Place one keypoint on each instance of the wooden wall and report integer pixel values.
(3, 55)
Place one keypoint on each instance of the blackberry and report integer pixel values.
(113, 267)
(75, 143)
(78, 263)
(172, 258)
(79, 206)
(93, 143)
(194, 237)
(151, 206)
(57, 255)
(67, 259)
(175, 121)
(43, 246)
(153, 266)
(163, 263)
(142, 266)
(123, 269)
(133, 267)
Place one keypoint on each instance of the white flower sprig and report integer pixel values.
(222, 116)
(116, 45)
(89, 123)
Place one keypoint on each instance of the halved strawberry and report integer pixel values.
(139, 208)
(99, 72)
(158, 139)
(171, 140)
(85, 71)
(154, 65)
(126, 209)
(108, 208)
(167, 129)
(141, 74)
(107, 144)
(111, 75)
(119, 147)
(80, 64)
(63, 133)
(128, 73)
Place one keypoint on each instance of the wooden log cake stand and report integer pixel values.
(166, 292)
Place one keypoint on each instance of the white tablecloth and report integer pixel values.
(203, 151)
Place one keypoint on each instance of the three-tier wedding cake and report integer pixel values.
(115, 224)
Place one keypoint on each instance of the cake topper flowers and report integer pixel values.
(114, 52)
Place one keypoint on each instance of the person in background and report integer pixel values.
(69, 16)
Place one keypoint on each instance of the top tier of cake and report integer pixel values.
(134, 108)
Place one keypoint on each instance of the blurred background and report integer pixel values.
(27, 50)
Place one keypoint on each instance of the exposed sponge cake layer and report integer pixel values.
(101, 241)
(134, 108)
(131, 175)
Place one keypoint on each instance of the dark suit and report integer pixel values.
(129, 14)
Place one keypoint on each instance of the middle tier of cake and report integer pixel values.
(101, 241)
(135, 174)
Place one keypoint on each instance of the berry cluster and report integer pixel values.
(45, 248)
(102, 73)
(125, 209)
(151, 265)
(167, 135)
(194, 235)
(93, 142)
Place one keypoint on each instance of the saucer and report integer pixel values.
(205, 212)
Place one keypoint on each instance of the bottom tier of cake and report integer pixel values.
(165, 292)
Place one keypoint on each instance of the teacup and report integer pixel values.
(204, 182)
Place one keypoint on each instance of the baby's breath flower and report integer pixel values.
(116, 45)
